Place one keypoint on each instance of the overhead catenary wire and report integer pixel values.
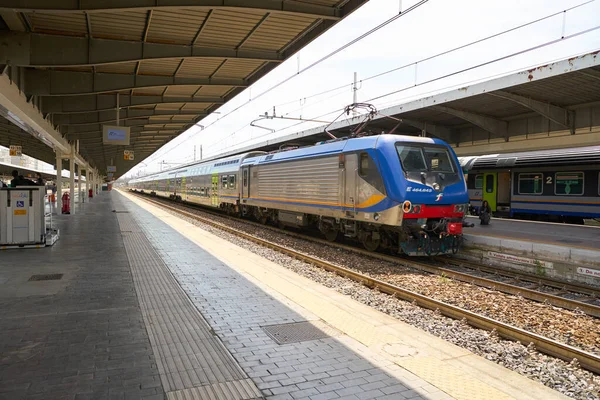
(400, 67)
(329, 55)
(447, 75)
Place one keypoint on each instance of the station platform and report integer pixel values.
(150, 306)
(561, 251)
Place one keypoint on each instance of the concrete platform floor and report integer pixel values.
(150, 307)
(565, 235)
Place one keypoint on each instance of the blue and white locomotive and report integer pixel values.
(387, 191)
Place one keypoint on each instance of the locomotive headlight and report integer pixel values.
(376, 217)
(460, 208)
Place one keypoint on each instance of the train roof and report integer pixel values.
(576, 156)
(214, 165)
(337, 146)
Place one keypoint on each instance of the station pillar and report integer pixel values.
(58, 182)
(72, 179)
(86, 174)
(81, 197)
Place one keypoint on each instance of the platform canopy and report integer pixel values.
(171, 62)
(552, 106)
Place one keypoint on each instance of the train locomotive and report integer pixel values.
(549, 185)
(403, 193)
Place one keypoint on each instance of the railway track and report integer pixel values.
(579, 296)
(545, 345)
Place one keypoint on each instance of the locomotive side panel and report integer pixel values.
(311, 185)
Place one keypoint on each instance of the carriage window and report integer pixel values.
(363, 170)
(231, 181)
(245, 178)
(202, 191)
(531, 183)
(478, 181)
(224, 181)
(568, 183)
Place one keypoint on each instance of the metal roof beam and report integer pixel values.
(61, 83)
(70, 129)
(91, 6)
(496, 127)
(433, 129)
(556, 114)
(41, 50)
(108, 117)
(13, 20)
(90, 133)
(29, 116)
(103, 102)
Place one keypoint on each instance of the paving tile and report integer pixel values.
(236, 309)
(56, 334)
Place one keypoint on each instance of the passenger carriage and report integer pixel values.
(552, 185)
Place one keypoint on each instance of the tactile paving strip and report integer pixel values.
(188, 354)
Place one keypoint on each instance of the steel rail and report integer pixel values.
(527, 293)
(524, 276)
(548, 346)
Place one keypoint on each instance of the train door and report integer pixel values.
(349, 188)
(183, 188)
(214, 193)
(489, 189)
(503, 195)
(245, 182)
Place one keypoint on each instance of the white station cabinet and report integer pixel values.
(22, 215)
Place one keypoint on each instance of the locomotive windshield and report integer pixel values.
(425, 159)
(427, 164)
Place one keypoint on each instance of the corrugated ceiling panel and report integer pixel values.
(119, 68)
(159, 118)
(329, 3)
(169, 106)
(175, 126)
(154, 91)
(236, 68)
(66, 24)
(125, 25)
(565, 90)
(195, 107)
(183, 118)
(144, 107)
(488, 105)
(181, 90)
(198, 67)
(213, 90)
(227, 28)
(159, 67)
(176, 26)
(76, 69)
(277, 31)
